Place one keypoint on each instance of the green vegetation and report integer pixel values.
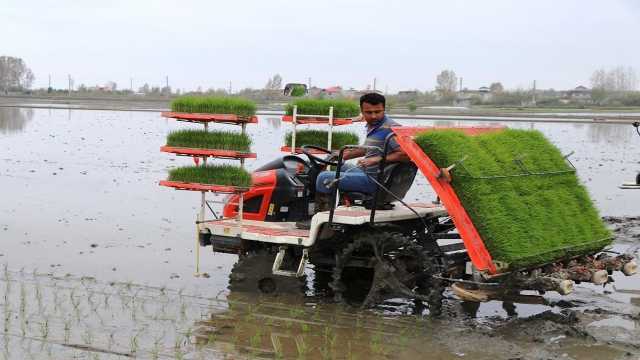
(523, 220)
(341, 108)
(200, 139)
(214, 105)
(212, 174)
(298, 91)
(320, 138)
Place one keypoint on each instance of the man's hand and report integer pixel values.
(370, 161)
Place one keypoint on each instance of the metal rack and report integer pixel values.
(307, 119)
(204, 154)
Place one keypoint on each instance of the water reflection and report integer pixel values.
(274, 122)
(609, 133)
(265, 328)
(14, 119)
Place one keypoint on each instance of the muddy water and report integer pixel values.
(79, 197)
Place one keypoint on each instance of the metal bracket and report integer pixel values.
(277, 263)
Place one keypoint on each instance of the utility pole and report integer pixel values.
(534, 92)
(69, 76)
(230, 87)
(309, 82)
(460, 84)
(131, 80)
(167, 85)
(374, 84)
(49, 81)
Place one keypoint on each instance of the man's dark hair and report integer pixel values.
(373, 99)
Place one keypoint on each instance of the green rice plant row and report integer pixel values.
(212, 175)
(341, 108)
(214, 105)
(201, 139)
(320, 138)
(524, 221)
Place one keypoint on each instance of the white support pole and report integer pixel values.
(293, 134)
(203, 203)
(197, 273)
(330, 128)
(241, 207)
(244, 130)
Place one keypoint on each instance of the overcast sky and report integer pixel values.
(404, 44)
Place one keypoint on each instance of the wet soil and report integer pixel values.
(99, 260)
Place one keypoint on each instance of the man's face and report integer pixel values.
(372, 113)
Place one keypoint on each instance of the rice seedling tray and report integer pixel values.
(320, 138)
(206, 118)
(214, 105)
(342, 109)
(224, 189)
(514, 199)
(218, 178)
(304, 119)
(214, 153)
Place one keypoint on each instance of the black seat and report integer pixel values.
(397, 177)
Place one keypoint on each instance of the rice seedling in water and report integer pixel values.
(525, 215)
(341, 108)
(200, 139)
(320, 138)
(214, 105)
(212, 174)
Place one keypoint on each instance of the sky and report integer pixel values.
(402, 44)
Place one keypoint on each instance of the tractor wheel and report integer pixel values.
(401, 267)
(253, 274)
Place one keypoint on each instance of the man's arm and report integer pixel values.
(353, 153)
(397, 156)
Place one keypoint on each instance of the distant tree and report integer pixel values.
(14, 74)
(412, 106)
(446, 85)
(145, 89)
(496, 87)
(274, 83)
(607, 83)
(82, 88)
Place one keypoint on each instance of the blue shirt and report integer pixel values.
(377, 134)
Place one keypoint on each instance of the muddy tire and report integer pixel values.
(400, 267)
(252, 274)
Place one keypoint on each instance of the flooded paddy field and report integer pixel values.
(98, 259)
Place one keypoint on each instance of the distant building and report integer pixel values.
(580, 93)
(408, 93)
(467, 96)
(332, 91)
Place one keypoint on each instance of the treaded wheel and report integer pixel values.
(253, 274)
(401, 268)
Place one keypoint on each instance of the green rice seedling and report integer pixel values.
(44, 328)
(134, 344)
(200, 139)
(214, 105)
(67, 330)
(212, 174)
(341, 108)
(524, 199)
(320, 138)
